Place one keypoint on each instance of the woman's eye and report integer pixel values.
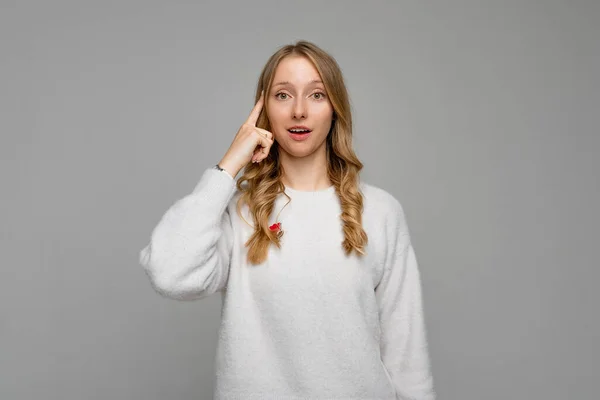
(318, 95)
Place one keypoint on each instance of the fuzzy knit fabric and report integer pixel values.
(309, 323)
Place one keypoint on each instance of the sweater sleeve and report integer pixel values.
(404, 348)
(189, 252)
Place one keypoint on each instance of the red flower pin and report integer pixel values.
(276, 227)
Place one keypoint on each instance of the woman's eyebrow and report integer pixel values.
(283, 83)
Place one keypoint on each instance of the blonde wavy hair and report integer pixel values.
(263, 180)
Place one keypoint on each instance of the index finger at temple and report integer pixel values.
(256, 110)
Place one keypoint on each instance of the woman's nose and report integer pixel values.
(299, 109)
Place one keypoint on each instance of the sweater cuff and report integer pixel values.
(217, 185)
(227, 173)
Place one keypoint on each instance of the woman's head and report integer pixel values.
(313, 95)
(297, 98)
(303, 86)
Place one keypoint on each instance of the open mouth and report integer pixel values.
(299, 134)
(299, 131)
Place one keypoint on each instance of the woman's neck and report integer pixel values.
(305, 173)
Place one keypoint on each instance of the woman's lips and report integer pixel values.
(299, 136)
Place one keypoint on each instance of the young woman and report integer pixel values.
(320, 284)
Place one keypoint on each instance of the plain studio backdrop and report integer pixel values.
(480, 117)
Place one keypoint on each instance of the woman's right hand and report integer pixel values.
(250, 143)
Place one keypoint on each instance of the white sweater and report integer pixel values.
(309, 322)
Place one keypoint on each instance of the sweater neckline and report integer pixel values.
(310, 193)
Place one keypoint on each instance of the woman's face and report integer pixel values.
(298, 98)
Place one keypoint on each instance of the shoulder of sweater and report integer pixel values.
(379, 201)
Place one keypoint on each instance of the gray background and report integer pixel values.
(481, 117)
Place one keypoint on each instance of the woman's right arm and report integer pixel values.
(190, 249)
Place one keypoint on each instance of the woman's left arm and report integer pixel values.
(404, 348)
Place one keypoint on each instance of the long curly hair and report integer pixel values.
(261, 183)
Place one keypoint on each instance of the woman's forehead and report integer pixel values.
(296, 71)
